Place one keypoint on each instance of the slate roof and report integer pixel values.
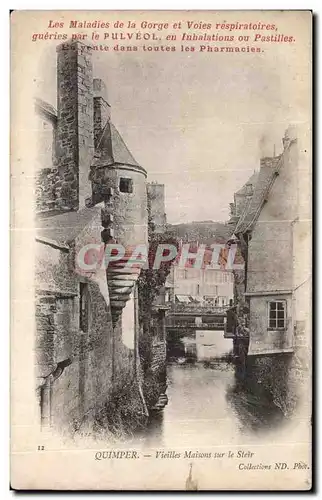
(64, 228)
(252, 180)
(112, 149)
(266, 176)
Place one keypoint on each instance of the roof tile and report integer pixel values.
(64, 228)
(112, 149)
(268, 170)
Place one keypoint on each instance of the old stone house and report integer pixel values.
(274, 232)
(207, 285)
(89, 191)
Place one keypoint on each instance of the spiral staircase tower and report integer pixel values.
(125, 223)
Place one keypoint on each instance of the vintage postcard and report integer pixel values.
(161, 250)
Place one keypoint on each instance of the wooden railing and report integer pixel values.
(173, 323)
(198, 309)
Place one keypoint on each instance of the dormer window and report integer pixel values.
(126, 185)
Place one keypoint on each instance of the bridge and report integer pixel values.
(183, 319)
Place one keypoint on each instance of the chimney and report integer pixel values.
(75, 123)
(156, 200)
(102, 110)
(289, 135)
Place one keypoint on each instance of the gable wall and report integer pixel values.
(270, 249)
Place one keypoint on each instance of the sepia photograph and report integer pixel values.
(162, 195)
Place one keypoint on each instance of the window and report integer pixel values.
(179, 274)
(277, 315)
(126, 185)
(211, 276)
(210, 299)
(192, 273)
(210, 290)
(83, 307)
(226, 277)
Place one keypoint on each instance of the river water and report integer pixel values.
(208, 405)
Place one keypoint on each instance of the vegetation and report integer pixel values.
(151, 282)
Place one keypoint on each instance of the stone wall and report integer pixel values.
(270, 250)
(54, 270)
(85, 376)
(75, 123)
(99, 385)
(159, 353)
(97, 352)
(127, 215)
(45, 333)
(48, 184)
(262, 339)
(102, 111)
(272, 376)
(56, 349)
(45, 127)
(66, 186)
(123, 360)
(84, 386)
(285, 378)
(156, 200)
(153, 351)
(126, 410)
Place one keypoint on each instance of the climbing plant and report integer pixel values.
(151, 280)
(150, 283)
